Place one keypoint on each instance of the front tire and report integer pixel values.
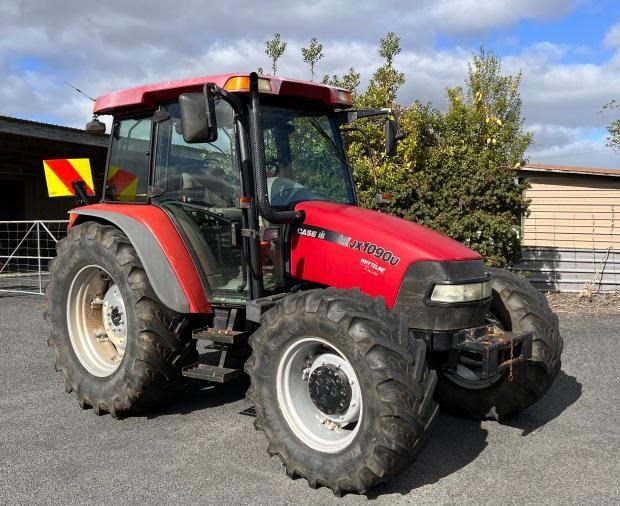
(518, 307)
(117, 346)
(366, 418)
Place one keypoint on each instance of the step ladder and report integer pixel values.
(222, 338)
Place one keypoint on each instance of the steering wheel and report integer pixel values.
(282, 191)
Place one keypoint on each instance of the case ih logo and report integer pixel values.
(377, 251)
(308, 232)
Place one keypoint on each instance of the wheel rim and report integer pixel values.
(466, 376)
(96, 321)
(319, 394)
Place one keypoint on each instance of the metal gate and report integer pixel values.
(26, 247)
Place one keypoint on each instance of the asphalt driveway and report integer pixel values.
(563, 450)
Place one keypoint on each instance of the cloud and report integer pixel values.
(567, 94)
(612, 37)
(472, 16)
(583, 152)
(104, 46)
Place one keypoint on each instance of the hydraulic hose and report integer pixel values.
(258, 159)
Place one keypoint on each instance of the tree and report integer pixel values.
(613, 140)
(384, 83)
(467, 183)
(350, 81)
(386, 80)
(457, 170)
(275, 48)
(312, 54)
(379, 172)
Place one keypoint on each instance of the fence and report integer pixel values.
(560, 263)
(26, 247)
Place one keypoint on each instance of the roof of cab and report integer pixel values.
(148, 96)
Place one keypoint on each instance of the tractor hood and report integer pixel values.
(349, 247)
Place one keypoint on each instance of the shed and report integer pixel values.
(24, 145)
(571, 238)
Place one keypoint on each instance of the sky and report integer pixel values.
(568, 52)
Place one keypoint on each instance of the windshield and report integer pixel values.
(304, 158)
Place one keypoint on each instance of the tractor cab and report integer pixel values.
(167, 151)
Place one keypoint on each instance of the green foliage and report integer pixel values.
(613, 139)
(274, 48)
(386, 80)
(312, 54)
(349, 81)
(456, 171)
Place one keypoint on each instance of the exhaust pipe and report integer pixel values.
(258, 159)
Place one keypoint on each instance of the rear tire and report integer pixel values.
(157, 343)
(521, 308)
(395, 389)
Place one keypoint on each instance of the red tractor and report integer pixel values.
(229, 215)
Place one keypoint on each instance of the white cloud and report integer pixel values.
(557, 144)
(584, 152)
(612, 37)
(467, 16)
(100, 47)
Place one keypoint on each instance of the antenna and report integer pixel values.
(79, 91)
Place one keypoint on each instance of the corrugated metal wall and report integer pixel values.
(571, 238)
(573, 212)
(571, 270)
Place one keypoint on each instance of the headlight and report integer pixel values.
(461, 293)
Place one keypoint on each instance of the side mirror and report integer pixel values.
(198, 122)
(390, 137)
(94, 126)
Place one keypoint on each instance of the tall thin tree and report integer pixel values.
(312, 54)
(275, 48)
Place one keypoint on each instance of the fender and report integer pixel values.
(161, 250)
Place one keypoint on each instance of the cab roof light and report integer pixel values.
(242, 83)
(342, 97)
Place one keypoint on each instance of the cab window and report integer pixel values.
(203, 173)
(304, 158)
(127, 178)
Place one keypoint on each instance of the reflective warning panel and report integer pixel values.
(121, 184)
(59, 174)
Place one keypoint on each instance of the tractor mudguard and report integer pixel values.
(161, 250)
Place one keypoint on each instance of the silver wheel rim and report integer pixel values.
(320, 431)
(96, 321)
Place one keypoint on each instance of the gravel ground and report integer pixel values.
(563, 450)
(598, 303)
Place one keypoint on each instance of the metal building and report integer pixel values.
(23, 146)
(571, 237)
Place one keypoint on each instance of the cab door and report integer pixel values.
(199, 185)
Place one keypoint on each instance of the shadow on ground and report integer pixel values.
(564, 392)
(453, 442)
(197, 397)
(456, 442)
